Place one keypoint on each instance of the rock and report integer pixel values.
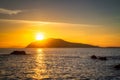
(117, 67)
(93, 57)
(99, 57)
(102, 58)
(18, 53)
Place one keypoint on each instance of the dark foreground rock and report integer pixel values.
(117, 67)
(18, 53)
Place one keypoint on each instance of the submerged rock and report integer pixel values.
(18, 53)
(102, 58)
(98, 57)
(93, 57)
(117, 67)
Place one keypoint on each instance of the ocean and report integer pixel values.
(59, 64)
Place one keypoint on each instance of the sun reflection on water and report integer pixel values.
(39, 50)
(40, 69)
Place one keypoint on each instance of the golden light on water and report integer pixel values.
(40, 68)
(39, 51)
(40, 54)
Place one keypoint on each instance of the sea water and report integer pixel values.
(59, 64)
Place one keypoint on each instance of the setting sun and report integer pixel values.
(39, 36)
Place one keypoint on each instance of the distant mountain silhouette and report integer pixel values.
(57, 43)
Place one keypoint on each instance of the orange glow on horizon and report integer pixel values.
(30, 31)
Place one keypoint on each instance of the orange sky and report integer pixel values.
(95, 22)
(19, 33)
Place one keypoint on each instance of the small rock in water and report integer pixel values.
(93, 57)
(99, 57)
(102, 58)
(18, 53)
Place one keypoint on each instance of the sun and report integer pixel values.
(39, 36)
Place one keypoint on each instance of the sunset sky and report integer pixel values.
(95, 22)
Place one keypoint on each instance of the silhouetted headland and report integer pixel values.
(58, 43)
(18, 53)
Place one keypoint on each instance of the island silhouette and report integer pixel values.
(58, 43)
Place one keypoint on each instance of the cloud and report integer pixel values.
(9, 12)
(45, 22)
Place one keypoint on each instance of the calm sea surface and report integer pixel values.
(59, 64)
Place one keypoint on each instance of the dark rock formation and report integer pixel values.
(93, 57)
(98, 57)
(18, 53)
(102, 58)
(117, 67)
(58, 43)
